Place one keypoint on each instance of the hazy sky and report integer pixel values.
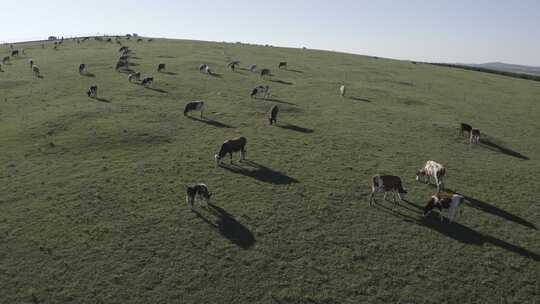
(443, 31)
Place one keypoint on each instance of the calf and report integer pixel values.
(387, 183)
(15, 53)
(465, 128)
(194, 106)
(230, 146)
(134, 76)
(260, 89)
(82, 68)
(282, 64)
(273, 115)
(35, 71)
(147, 81)
(432, 170)
(161, 67)
(197, 191)
(475, 136)
(447, 201)
(342, 90)
(92, 92)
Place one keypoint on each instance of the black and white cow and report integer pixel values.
(463, 127)
(92, 92)
(387, 183)
(197, 105)
(273, 114)
(82, 68)
(147, 81)
(260, 89)
(252, 68)
(342, 90)
(161, 67)
(282, 64)
(445, 201)
(475, 136)
(122, 49)
(134, 76)
(199, 191)
(205, 68)
(230, 146)
(233, 64)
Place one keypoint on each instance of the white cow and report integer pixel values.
(432, 170)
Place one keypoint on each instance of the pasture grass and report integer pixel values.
(92, 206)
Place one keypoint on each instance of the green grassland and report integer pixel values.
(92, 206)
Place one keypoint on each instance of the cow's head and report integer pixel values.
(420, 174)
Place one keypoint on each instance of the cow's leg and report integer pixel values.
(384, 196)
(372, 198)
(201, 113)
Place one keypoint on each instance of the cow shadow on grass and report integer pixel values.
(281, 81)
(88, 74)
(294, 71)
(125, 71)
(228, 227)
(102, 99)
(458, 231)
(491, 145)
(217, 75)
(260, 173)
(489, 208)
(156, 90)
(211, 122)
(169, 73)
(359, 99)
(296, 128)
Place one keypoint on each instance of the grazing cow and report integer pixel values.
(121, 64)
(265, 72)
(35, 71)
(92, 92)
(197, 191)
(432, 170)
(161, 67)
(342, 90)
(230, 146)
(147, 81)
(5, 59)
(203, 67)
(233, 64)
(82, 68)
(387, 183)
(194, 106)
(252, 68)
(446, 201)
(260, 89)
(475, 136)
(14, 53)
(134, 76)
(139, 40)
(282, 64)
(123, 49)
(273, 115)
(465, 128)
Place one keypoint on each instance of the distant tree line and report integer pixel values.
(491, 71)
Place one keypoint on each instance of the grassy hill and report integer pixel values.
(92, 206)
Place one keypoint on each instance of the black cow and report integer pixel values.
(82, 68)
(265, 72)
(282, 64)
(15, 53)
(465, 128)
(273, 115)
(230, 146)
(161, 67)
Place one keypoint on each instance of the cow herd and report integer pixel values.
(443, 201)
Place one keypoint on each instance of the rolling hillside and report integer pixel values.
(92, 197)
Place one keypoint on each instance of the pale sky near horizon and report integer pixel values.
(438, 30)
